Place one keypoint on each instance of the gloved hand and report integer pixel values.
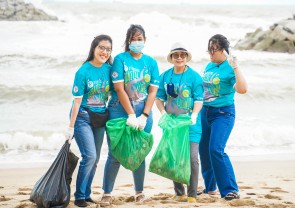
(141, 121)
(132, 121)
(194, 118)
(232, 59)
(69, 134)
(163, 112)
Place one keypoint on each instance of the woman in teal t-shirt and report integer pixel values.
(135, 77)
(90, 90)
(222, 78)
(181, 90)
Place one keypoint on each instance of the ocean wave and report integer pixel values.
(33, 93)
(39, 61)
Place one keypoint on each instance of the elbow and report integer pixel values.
(242, 90)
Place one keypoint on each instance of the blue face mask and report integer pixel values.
(136, 46)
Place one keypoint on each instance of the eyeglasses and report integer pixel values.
(104, 49)
(212, 50)
(176, 55)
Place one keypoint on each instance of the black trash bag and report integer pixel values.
(53, 188)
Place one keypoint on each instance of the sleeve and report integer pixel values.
(117, 70)
(79, 85)
(155, 74)
(198, 89)
(161, 93)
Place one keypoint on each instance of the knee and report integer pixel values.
(215, 152)
(89, 159)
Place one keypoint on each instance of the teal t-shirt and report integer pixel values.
(219, 81)
(189, 88)
(93, 85)
(137, 75)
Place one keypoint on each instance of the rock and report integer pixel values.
(279, 38)
(18, 10)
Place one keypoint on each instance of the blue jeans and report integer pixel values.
(112, 165)
(89, 141)
(217, 124)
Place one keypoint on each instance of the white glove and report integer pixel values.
(141, 122)
(163, 112)
(194, 118)
(232, 59)
(69, 134)
(132, 121)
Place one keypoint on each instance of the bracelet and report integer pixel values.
(145, 114)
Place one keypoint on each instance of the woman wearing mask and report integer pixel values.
(90, 90)
(136, 78)
(181, 90)
(222, 78)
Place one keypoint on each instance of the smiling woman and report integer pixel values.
(90, 91)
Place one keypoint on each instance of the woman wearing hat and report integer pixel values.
(181, 92)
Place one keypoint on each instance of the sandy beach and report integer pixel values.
(266, 184)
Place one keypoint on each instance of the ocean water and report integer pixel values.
(38, 61)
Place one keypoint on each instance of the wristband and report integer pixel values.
(145, 114)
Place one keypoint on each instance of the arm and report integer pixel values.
(75, 110)
(241, 84)
(160, 105)
(150, 99)
(123, 97)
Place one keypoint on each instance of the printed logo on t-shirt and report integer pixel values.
(90, 84)
(76, 89)
(114, 75)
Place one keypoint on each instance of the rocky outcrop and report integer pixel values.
(279, 38)
(18, 10)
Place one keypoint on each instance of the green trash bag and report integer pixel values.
(128, 145)
(172, 156)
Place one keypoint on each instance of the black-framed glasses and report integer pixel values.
(104, 49)
(212, 50)
(176, 55)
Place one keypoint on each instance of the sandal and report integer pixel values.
(106, 200)
(139, 198)
(212, 193)
(232, 195)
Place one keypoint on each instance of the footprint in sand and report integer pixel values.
(3, 198)
(242, 202)
(269, 196)
(245, 187)
(24, 189)
(126, 185)
(162, 196)
(23, 193)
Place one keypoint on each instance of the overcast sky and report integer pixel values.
(255, 2)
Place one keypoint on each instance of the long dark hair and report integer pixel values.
(95, 43)
(220, 41)
(133, 29)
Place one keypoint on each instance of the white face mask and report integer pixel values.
(136, 46)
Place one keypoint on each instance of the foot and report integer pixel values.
(199, 193)
(139, 198)
(181, 198)
(191, 199)
(210, 192)
(106, 200)
(90, 200)
(232, 195)
(80, 203)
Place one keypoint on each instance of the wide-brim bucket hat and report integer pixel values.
(179, 47)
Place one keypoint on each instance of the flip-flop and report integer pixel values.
(106, 203)
(140, 196)
(232, 195)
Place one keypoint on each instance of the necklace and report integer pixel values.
(180, 77)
